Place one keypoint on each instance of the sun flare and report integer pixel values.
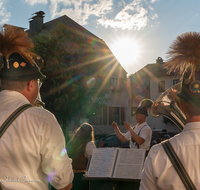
(126, 50)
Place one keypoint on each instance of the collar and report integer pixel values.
(14, 95)
(139, 126)
(191, 126)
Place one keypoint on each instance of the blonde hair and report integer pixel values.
(77, 144)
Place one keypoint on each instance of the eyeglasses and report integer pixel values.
(39, 83)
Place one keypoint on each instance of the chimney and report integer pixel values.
(159, 60)
(36, 23)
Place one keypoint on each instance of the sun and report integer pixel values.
(126, 50)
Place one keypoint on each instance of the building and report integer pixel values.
(116, 76)
(150, 82)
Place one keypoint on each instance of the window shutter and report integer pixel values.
(105, 115)
(110, 115)
(122, 115)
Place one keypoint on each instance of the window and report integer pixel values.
(113, 115)
(113, 82)
(161, 86)
(176, 81)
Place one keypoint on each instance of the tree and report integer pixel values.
(73, 85)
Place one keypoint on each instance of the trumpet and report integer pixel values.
(167, 105)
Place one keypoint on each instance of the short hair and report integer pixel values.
(192, 107)
(13, 85)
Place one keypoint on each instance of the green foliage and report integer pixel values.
(73, 87)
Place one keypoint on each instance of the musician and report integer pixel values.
(80, 149)
(32, 149)
(139, 135)
(159, 173)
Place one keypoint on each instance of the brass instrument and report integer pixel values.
(167, 105)
(38, 102)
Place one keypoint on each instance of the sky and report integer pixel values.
(136, 31)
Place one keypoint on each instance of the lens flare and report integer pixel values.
(50, 176)
(63, 152)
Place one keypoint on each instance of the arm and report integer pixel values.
(67, 187)
(135, 137)
(148, 179)
(120, 136)
(53, 153)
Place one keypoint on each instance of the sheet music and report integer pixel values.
(102, 162)
(129, 163)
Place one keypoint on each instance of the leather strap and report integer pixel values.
(176, 162)
(12, 117)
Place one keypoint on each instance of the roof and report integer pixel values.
(74, 26)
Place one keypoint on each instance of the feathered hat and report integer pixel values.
(17, 60)
(184, 59)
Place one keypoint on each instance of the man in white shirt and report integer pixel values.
(32, 149)
(159, 173)
(139, 135)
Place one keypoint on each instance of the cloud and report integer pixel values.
(33, 2)
(4, 15)
(124, 14)
(81, 10)
(132, 16)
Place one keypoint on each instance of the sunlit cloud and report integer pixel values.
(4, 15)
(124, 14)
(33, 2)
(80, 11)
(132, 16)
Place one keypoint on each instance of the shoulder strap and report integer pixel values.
(138, 146)
(12, 117)
(176, 162)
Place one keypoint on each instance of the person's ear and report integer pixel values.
(30, 85)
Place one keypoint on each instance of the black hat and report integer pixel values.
(141, 110)
(19, 69)
(17, 59)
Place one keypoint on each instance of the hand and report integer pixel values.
(127, 125)
(114, 125)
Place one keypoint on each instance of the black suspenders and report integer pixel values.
(12, 117)
(178, 166)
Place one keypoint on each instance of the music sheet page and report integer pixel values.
(129, 163)
(102, 162)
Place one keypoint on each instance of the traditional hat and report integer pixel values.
(141, 110)
(184, 59)
(17, 60)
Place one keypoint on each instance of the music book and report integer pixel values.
(116, 163)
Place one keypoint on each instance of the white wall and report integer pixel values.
(154, 94)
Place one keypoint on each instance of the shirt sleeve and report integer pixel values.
(148, 179)
(54, 159)
(89, 149)
(145, 132)
(127, 135)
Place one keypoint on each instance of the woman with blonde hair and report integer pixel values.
(79, 149)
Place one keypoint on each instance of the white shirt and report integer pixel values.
(32, 148)
(90, 146)
(145, 133)
(158, 171)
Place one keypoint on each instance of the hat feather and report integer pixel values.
(15, 40)
(184, 54)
